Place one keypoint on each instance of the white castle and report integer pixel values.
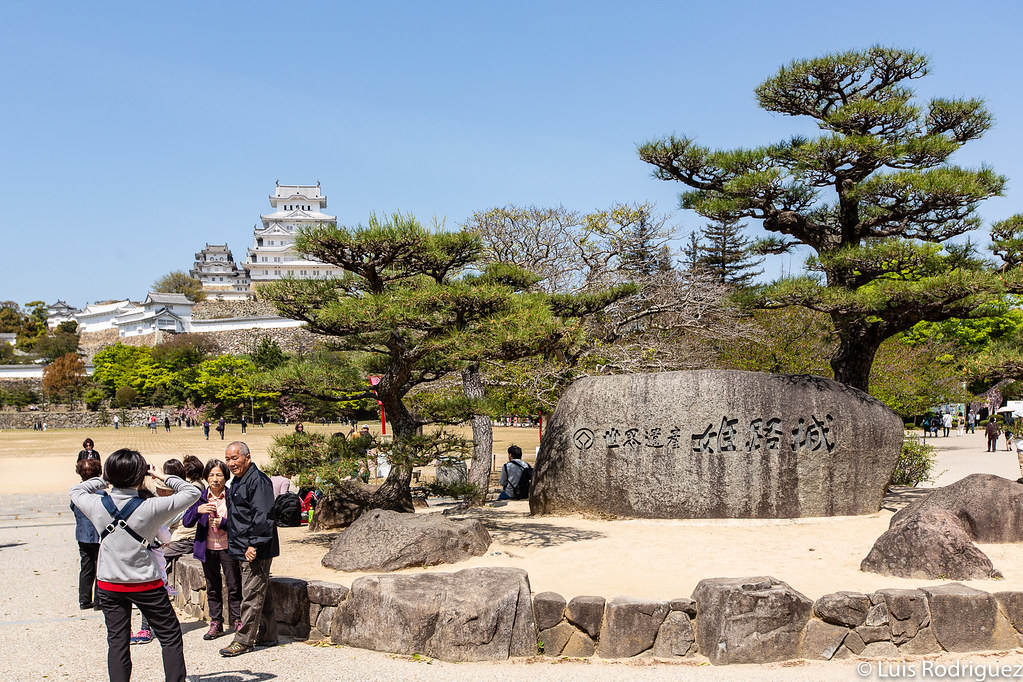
(272, 255)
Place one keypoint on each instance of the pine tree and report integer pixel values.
(726, 254)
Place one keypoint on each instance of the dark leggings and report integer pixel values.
(87, 591)
(156, 607)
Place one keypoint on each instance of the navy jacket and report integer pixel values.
(201, 522)
(84, 530)
(250, 518)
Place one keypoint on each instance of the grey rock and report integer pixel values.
(325, 593)
(630, 626)
(962, 618)
(923, 643)
(477, 614)
(675, 637)
(883, 649)
(821, 640)
(382, 540)
(1011, 604)
(555, 638)
(314, 613)
(324, 619)
(586, 613)
(291, 602)
(854, 643)
(874, 633)
(579, 646)
(738, 625)
(877, 615)
(842, 608)
(294, 630)
(929, 544)
(548, 609)
(715, 444)
(842, 654)
(908, 614)
(989, 507)
(685, 605)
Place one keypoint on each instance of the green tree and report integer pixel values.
(895, 197)
(225, 379)
(60, 342)
(180, 282)
(120, 365)
(268, 354)
(725, 253)
(411, 308)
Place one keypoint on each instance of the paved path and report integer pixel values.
(43, 635)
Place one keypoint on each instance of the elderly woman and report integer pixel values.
(127, 572)
(88, 540)
(207, 515)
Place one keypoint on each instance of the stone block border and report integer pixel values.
(728, 620)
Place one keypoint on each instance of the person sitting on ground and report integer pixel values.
(207, 516)
(87, 452)
(512, 474)
(88, 541)
(127, 572)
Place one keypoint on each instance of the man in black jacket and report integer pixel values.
(252, 540)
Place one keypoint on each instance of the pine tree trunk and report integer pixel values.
(858, 344)
(482, 436)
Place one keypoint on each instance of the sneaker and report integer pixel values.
(134, 639)
(85, 606)
(234, 649)
(143, 637)
(216, 630)
(267, 642)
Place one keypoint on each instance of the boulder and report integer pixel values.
(715, 444)
(923, 643)
(907, 613)
(587, 614)
(548, 609)
(842, 608)
(325, 593)
(685, 605)
(579, 646)
(324, 619)
(290, 599)
(477, 614)
(989, 507)
(630, 626)
(821, 640)
(555, 638)
(382, 540)
(928, 544)
(675, 637)
(749, 620)
(1011, 604)
(962, 618)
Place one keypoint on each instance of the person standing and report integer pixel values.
(127, 572)
(244, 424)
(206, 428)
(992, 432)
(88, 541)
(87, 452)
(211, 548)
(946, 424)
(221, 427)
(971, 420)
(166, 423)
(117, 422)
(252, 541)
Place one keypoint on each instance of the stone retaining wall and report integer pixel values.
(83, 420)
(728, 620)
(233, 342)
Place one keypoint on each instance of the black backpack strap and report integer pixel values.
(120, 520)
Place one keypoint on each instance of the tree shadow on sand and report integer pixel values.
(532, 534)
(233, 676)
(324, 540)
(900, 496)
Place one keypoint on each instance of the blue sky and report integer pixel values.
(133, 133)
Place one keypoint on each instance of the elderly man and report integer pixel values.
(252, 541)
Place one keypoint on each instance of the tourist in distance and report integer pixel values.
(208, 515)
(946, 423)
(87, 452)
(206, 428)
(252, 541)
(127, 571)
(992, 432)
(221, 427)
(515, 476)
(88, 540)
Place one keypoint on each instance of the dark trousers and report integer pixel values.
(257, 603)
(87, 590)
(156, 607)
(992, 444)
(217, 560)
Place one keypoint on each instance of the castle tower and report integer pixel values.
(222, 278)
(272, 255)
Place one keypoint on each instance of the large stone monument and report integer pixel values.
(715, 444)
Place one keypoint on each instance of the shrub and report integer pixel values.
(126, 396)
(915, 465)
(92, 398)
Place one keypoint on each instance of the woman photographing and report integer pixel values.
(210, 548)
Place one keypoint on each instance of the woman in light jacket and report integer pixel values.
(127, 572)
(210, 548)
